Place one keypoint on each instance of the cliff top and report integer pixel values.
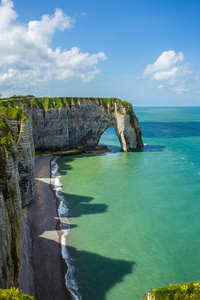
(54, 102)
(185, 291)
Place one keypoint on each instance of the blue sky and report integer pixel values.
(142, 51)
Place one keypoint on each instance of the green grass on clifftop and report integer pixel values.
(55, 102)
(14, 294)
(187, 291)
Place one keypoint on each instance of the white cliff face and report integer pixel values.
(16, 191)
(50, 128)
(22, 131)
(26, 157)
(11, 235)
(81, 124)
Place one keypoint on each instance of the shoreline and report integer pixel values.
(64, 226)
(43, 234)
(44, 269)
(53, 177)
(98, 150)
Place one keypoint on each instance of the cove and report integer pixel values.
(134, 217)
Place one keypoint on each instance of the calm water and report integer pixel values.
(135, 217)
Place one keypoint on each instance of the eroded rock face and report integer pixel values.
(81, 124)
(16, 191)
(50, 128)
(22, 131)
(11, 235)
(26, 157)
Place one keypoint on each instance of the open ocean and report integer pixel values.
(132, 220)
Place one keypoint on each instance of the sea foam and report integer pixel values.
(70, 281)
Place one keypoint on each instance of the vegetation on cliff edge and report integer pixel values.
(187, 291)
(13, 113)
(6, 135)
(55, 102)
(14, 293)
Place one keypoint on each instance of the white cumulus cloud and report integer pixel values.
(165, 74)
(165, 62)
(170, 68)
(26, 56)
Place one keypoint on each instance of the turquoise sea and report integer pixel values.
(132, 220)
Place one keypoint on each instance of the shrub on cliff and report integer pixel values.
(6, 135)
(187, 291)
(14, 294)
(13, 113)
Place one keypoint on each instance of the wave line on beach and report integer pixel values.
(70, 281)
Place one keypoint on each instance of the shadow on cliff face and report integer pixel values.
(96, 274)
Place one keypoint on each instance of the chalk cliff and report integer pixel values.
(11, 235)
(79, 124)
(53, 124)
(17, 155)
(26, 157)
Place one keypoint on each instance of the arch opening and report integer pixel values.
(110, 139)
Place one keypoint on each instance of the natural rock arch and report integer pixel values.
(126, 134)
(81, 124)
(108, 130)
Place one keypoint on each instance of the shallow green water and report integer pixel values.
(134, 217)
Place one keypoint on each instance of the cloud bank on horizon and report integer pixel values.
(171, 69)
(26, 57)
